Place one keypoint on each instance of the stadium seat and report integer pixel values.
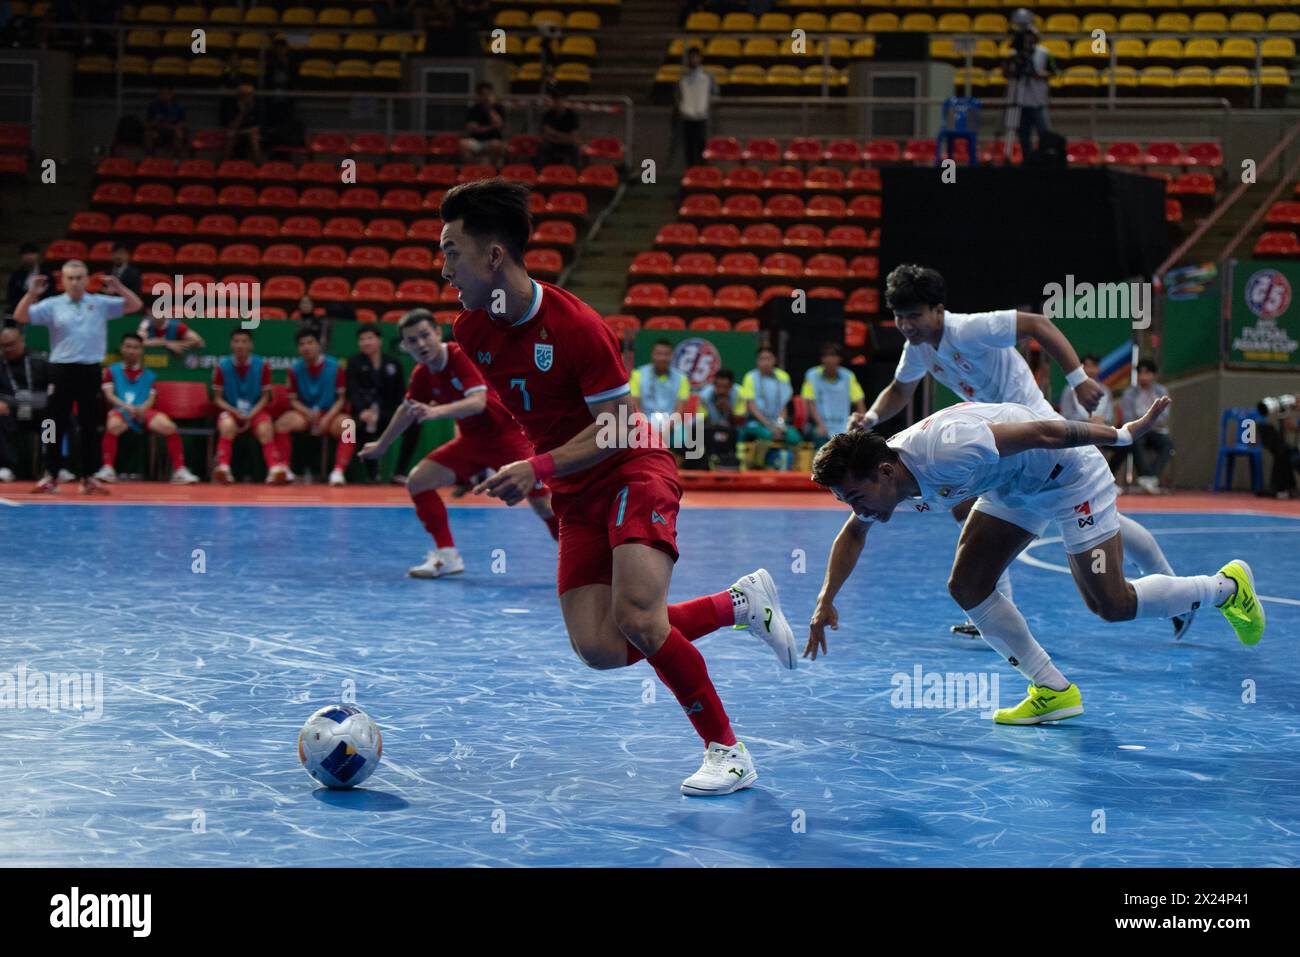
(882, 151)
(804, 236)
(283, 256)
(278, 197)
(386, 230)
(1083, 153)
(329, 289)
(90, 222)
(782, 266)
(742, 206)
(259, 227)
(1204, 154)
(374, 290)
(335, 144)
(343, 227)
(827, 207)
(722, 149)
(216, 224)
(417, 291)
(286, 289)
(665, 323)
(863, 301)
(736, 300)
(196, 254)
(237, 196)
(133, 224)
(301, 227)
(784, 207)
(646, 298)
(1279, 243)
(428, 230)
(369, 258)
(719, 237)
(761, 236)
(63, 249)
(555, 232)
(651, 264)
(412, 259)
(677, 235)
(240, 255)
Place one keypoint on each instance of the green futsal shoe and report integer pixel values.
(1043, 704)
(1243, 610)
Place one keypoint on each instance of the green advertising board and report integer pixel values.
(1265, 326)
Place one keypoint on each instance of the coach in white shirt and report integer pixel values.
(78, 324)
(695, 93)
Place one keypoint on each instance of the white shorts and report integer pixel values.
(1084, 511)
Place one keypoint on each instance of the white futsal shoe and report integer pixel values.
(106, 473)
(222, 474)
(279, 475)
(766, 620)
(438, 564)
(726, 768)
(337, 479)
(183, 476)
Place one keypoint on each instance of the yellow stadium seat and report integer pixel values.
(810, 22)
(1193, 79)
(917, 23)
(1173, 23)
(533, 45)
(142, 40)
(745, 75)
(177, 40)
(227, 15)
(354, 70)
(361, 43)
(1136, 23)
(1275, 76)
(220, 41)
(261, 17)
(316, 69)
(739, 23)
(947, 4)
(168, 66)
(775, 22)
(1163, 4)
(578, 47)
(334, 17)
(511, 20)
(529, 73)
(760, 48)
(1130, 49)
(978, 78)
(779, 76)
(251, 41)
(95, 65)
(1081, 52)
(365, 18)
(582, 20)
(248, 66)
(1165, 49)
(838, 47)
(1209, 23)
(722, 48)
(1061, 23)
(514, 46)
(986, 50)
(388, 70)
(1238, 50)
(845, 22)
(396, 43)
(1284, 22)
(578, 73)
(1202, 49)
(669, 73)
(953, 23)
(885, 22)
(1232, 79)
(863, 48)
(1058, 48)
(1281, 49)
(815, 77)
(677, 48)
(324, 42)
(552, 18)
(1126, 80)
(205, 68)
(1080, 79)
(134, 65)
(703, 22)
(189, 14)
(1099, 21)
(1246, 23)
(989, 23)
(299, 17)
(942, 48)
(154, 13)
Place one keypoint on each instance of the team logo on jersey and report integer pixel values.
(922, 507)
(485, 358)
(543, 355)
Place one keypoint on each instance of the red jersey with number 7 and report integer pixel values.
(547, 367)
(455, 380)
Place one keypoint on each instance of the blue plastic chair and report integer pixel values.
(963, 125)
(1231, 446)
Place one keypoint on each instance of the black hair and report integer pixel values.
(305, 330)
(491, 209)
(120, 245)
(132, 335)
(724, 374)
(365, 327)
(415, 317)
(26, 248)
(1091, 357)
(857, 453)
(662, 342)
(1148, 365)
(484, 85)
(910, 285)
(241, 331)
(761, 349)
(832, 348)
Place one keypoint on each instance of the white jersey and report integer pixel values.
(977, 359)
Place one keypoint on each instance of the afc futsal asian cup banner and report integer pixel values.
(1265, 328)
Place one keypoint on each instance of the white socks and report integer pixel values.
(1004, 584)
(1140, 546)
(740, 606)
(1006, 631)
(1163, 596)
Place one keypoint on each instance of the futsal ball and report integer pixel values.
(340, 746)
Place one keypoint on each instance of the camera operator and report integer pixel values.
(1027, 71)
(1284, 418)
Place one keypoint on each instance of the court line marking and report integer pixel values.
(1065, 569)
(10, 502)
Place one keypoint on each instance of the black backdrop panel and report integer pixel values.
(999, 235)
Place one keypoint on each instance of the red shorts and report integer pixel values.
(257, 420)
(465, 457)
(146, 418)
(634, 504)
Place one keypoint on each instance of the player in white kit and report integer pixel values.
(975, 356)
(1026, 473)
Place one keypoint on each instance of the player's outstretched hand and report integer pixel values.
(1089, 392)
(824, 614)
(1140, 427)
(422, 411)
(510, 484)
(371, 450)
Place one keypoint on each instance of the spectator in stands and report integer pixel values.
(767, 391)
(659, 390)
(30, 265)
(130, 393)
(164, 124)
(170, 334)
(1070, 407)
(242, 117)
(724, 411)
(559, 132)
(78, 324)
(1152, 451)
(318, 400)
(696, 91)
(484, 138)
(277, 73)
(375, 388)
(241, 390)
(126, 274)
(832, 393)
(24, 397)
(307, 309)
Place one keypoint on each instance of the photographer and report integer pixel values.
(1027, 70)
(1279, 438)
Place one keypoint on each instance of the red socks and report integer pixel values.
(429, 507)
(702, 616)
(110, 447)
(343, 454)
(224, 447)
(281, 447)
(175, 451)
(681, 667)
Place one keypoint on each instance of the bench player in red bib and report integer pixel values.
(559, 370)
(446, 385)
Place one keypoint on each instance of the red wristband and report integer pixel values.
(543, 466)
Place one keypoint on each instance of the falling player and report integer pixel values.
(1028, 473)
(975, 356)
(559, 370)
(446, 385)
(129, 392)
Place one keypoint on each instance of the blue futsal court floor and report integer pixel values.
(502, 749)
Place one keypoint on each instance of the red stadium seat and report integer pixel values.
(237, 196)
(133, 224)
(784, 179)
(739, 266)
(174, 224)
(301, 227)
(386, 230)
(343, 227)
(432, 201)
(329, 289)
(315, 171)
(64, 249)
(709, 324)
(804, 236)
(240, 255)
(782, 266)
(519, 173)
(155, 194)
(882, 151)
(1193, 184)
(273, 313)
(90, 222)
(646, 297)
(328, 256)
(558, 174)
(199, 169)
(665, 322)
(736, 300)
(1165, 153)
(438, 174)
(545, 263)
(761, 236)
(784, 206)
(371, 258)
(555, 232)
(743, 179)
(703, 178)
(449, 295)
(599, 177)
(395, 315)
(623, 326)
(864, 208)
(677, 235)
(259, 227)
(523, 148)
(209, 141)
(369, 144)
(330, 143)
(700, 206)
(864, 180)
(359, 197)
(761, 150)
(237, 171)
(405, 200)
(603, 149)
(1083, 153)
(444, 145)
(842, 151)
(1278, 243)
(1205, 154)
(652, 265)
(919, 151)
(1173, 211)
(780, 291)
(567, 204)
(749, 324)
(318, 197)
(412, 258)
(156, 168)
(803, 150)
(722, 149)
(1126, 153)
(116, 167)
(216, 224)
(154, 254)
(742, 206)
(863, 268)
(365, 315)
(417, 290)
(825, 178)
(277, 171)
(863, 301)
(825, 292)
(373, 289)
(720, 236)
(1286, 213)
(855, 333)
(428, 230)
(284, 289)
(408, 144)
(473, 172)
(278, 197)
(183, 400)
(196, 254)
(536, 203)
(827, 207)
(826, 266)
(695, 266)
(283, 256)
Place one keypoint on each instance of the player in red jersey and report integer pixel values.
(559, 370)
(446, 385)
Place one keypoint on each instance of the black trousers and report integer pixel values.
(695, 133)
(1286, 459)
(10, 428)
(75, 383)
(406, 452)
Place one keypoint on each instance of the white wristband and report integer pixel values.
(1074, 378)
(870, 418)
(1122, 436)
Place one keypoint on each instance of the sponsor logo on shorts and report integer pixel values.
(1085, 522)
